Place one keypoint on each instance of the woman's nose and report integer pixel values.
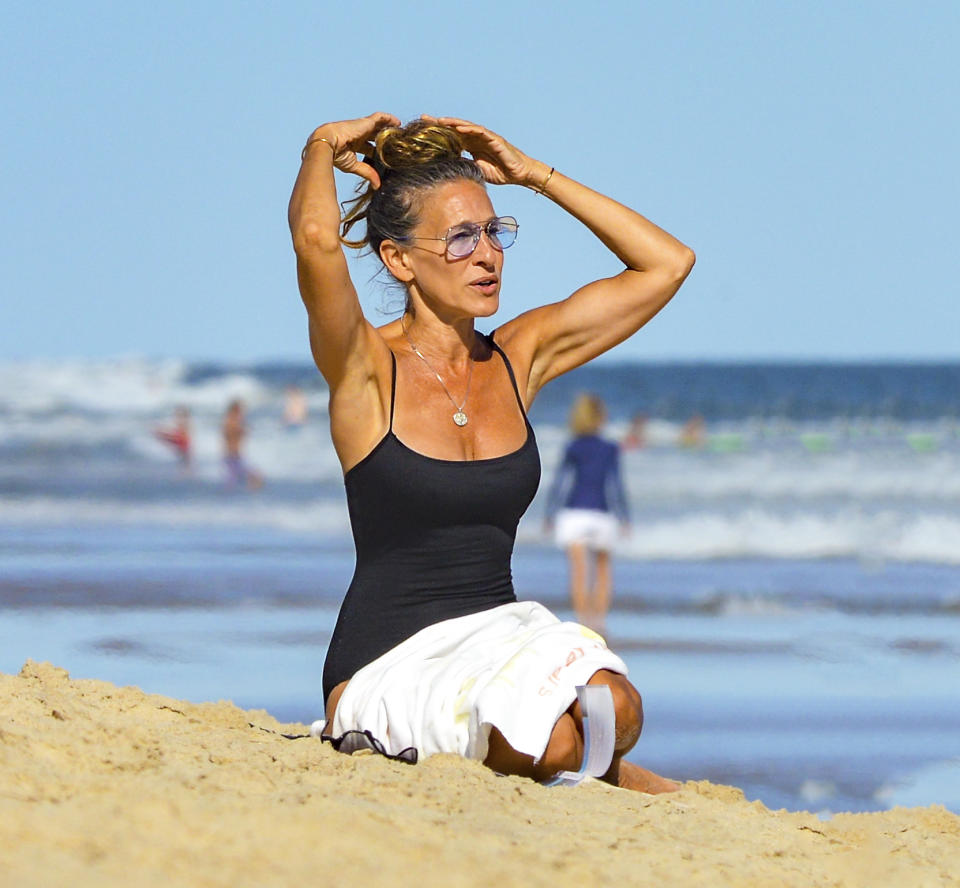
(485, 248)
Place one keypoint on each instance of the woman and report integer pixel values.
(428, 418)
(586, 501)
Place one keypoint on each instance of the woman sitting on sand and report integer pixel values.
(429, 420)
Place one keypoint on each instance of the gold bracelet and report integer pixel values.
(333, 146)
(543, 187)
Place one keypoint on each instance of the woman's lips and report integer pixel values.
(486, 284)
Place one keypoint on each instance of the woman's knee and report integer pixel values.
(627, 708)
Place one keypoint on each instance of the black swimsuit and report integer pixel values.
(434, 539)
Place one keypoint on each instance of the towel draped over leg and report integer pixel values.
(515, 667)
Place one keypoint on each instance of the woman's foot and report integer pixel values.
(631, 776)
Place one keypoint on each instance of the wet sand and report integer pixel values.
(103, 786)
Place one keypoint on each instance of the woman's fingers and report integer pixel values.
(454, 121)
(348, 162)
(377, 121)
(357, 134)
(464, 127)
(384, 118)
(350, 137)
(360, 147)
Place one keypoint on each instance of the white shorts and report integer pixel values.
(590, 527)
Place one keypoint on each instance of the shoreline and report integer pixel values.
(102, 785)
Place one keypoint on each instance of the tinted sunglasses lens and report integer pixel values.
(463, 241)
(502, 231)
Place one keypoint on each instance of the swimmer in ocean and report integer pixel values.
(234, 431)
(178, 437)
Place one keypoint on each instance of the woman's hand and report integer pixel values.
(347, 138)
(499, 161)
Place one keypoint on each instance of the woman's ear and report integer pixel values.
(397, 261)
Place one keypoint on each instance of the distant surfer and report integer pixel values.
(234, 431)
(432, 652)
(178, 436)
(587, 505)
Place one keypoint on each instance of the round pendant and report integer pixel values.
(460, 418)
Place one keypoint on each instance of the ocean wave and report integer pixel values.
(241, 510)
(760, 533)
(655, 477)
(700, 536)
(120, 386)
(864, 398)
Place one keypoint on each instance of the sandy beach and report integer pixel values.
(102, 785)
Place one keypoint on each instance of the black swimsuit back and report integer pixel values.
(434, 539)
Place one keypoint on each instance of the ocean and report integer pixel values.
(787, 600)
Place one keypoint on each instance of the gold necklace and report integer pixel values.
(460, 418)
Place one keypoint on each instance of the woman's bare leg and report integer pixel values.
(602, 589)
(564, 750)
(628, 711)
(577, 557)
(332, 702)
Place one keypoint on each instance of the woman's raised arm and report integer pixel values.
(339, 333)
(553, 339)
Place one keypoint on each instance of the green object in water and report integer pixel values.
(922, 443)
(816, 443)
(728, 443)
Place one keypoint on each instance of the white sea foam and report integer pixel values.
(751, 534)
(244, 510)
(763, 533)
(125, 385)
(783, 472)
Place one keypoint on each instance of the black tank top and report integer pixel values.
(434, 539)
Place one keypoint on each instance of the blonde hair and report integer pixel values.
(410, 161)
(587, 414)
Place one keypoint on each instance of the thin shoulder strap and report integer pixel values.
(513, 379)
(393, 386)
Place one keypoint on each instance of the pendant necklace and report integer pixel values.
(460, 418)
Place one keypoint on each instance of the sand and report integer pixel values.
(103, 786)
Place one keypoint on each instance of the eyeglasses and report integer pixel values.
(462, 239)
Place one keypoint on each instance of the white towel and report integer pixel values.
(515, 667)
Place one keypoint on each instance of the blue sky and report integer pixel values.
(806, 151)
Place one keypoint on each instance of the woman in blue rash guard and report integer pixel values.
(588, 506)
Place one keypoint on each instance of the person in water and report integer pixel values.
(588, 506)
(179, 437)
(234, 432)
(428, 417)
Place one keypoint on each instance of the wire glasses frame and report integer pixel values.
(462, 239)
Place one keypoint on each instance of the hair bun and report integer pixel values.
(410, 161)
(416, 144)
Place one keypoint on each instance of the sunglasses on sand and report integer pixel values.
(462, 239)
(352, 741)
